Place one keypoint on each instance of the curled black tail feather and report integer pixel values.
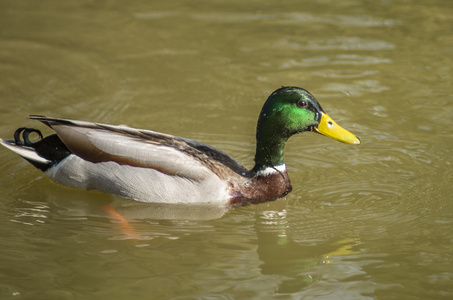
(25, 136)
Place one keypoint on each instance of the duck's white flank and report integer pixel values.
(141, 184)
(272, 170)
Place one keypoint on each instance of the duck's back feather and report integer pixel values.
(143, 148)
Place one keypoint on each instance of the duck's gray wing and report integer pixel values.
(168, 154)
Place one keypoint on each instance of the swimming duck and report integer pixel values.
(155, 167)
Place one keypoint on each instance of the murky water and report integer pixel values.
(366, 222)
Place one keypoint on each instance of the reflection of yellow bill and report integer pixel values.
(329, 128)
(346, 246)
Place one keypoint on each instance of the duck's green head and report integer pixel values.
(287, 111)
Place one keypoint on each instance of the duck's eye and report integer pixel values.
(302, 103)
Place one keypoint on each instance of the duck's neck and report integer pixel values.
(269, 153)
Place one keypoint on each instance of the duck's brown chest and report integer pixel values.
(260, 189)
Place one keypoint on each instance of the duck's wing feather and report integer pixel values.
(219, 156)
(142, 148)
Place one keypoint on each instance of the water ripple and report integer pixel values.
(339, 59)
(282, 18)
(338, 43)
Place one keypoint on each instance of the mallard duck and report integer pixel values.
(155, 167)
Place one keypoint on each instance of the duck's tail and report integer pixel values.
(42, 154)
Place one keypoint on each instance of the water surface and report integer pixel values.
(366, 222)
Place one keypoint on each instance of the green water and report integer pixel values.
(363, 222)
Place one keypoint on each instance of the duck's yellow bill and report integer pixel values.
(329, 128)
